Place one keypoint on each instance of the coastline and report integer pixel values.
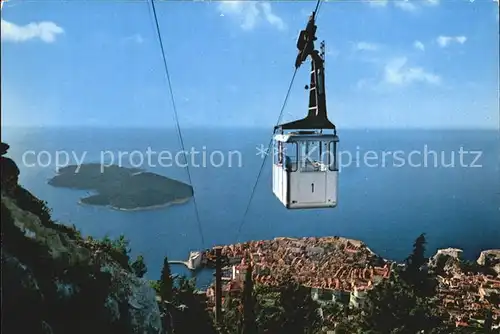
(144, 208)
(359, 244)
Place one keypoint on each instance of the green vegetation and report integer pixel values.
(184, 310)
(287, 308)
(120, 187)
(63, 281)
(393, 307)
(139, 267)
(400, 304)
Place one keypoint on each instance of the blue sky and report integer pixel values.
(390, 64)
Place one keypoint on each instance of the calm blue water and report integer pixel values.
(384, 205)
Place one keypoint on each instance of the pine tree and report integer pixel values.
(166, 282)
(248, 301)
(413, 274)
(417, 258)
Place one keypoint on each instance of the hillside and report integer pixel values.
(54, 281)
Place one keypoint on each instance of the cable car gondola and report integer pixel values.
(305, 170)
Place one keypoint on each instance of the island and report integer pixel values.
(122, 188)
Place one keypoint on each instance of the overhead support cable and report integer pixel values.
(167, 74)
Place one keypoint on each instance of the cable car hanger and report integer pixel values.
(317, 116)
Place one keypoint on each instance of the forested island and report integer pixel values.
(122, 188)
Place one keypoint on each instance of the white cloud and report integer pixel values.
(136, 38)
(45, 31)
(398, 72)
(419, 45)
(272, 18)
(249, 13)
(366, 46)
(444, 41)
(406, 6)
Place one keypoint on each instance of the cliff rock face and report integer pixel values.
(446, 260)
(54, 281)
(490, 258)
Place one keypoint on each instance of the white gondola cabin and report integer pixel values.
(305, 169)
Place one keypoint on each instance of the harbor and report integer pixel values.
(194, 261)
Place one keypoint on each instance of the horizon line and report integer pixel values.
(241, 126)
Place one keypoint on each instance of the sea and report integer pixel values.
(393, 186)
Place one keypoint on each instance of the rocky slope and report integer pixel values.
(450, 261)
(54, 281)
(490, 258)
(446, 260)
